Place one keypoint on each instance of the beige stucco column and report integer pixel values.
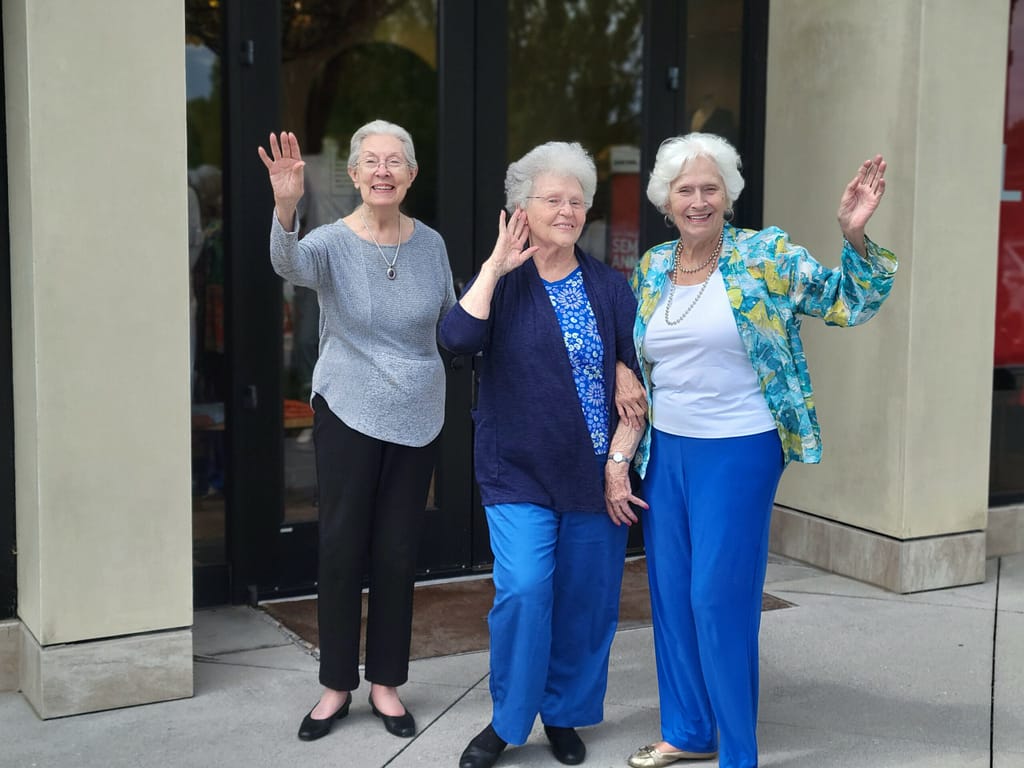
(97, 161)
(901, 496)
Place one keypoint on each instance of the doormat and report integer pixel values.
(451, 618)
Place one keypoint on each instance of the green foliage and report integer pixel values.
(203, 124)
(575, 70)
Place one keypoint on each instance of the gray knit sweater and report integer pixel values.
(379, 368)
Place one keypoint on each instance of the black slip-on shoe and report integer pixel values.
(311, 729)
(403, 726)
(484, 750)
(566, 744)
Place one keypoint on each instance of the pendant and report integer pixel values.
(391, 273)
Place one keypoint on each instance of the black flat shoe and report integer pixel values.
(567, 745)
(483, 751)
(403, 726)
(311, 729)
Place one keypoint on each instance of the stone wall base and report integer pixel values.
(902, 566)
(10, 653)
(61, 680)
(1005, 532)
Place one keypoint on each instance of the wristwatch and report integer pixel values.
(619, 457)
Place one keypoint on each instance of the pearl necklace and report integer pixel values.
(679, 252)
(390, 264)
(704, 285)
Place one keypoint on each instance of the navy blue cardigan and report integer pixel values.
(531, 439)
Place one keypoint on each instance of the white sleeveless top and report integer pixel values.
(703, 384)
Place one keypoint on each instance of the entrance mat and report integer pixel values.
(451, 618)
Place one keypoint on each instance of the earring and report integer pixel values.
(728, 214)
(668, 222)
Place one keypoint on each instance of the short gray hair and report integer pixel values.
(381, 128)
(558, 158)
(675, 153)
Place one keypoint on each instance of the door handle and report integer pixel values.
(250, 397)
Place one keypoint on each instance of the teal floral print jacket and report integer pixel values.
(770, 283)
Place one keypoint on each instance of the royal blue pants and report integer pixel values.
(706, 536)
(557, 578)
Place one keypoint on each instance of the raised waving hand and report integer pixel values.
(508, 254)
(285, 167)
(860, 199)
(508, 250)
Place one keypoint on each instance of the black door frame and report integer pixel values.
(266, 559)
(664, 114)
(253, 408)
(465, 156)
(472, 166)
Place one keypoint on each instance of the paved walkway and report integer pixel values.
(852, 677)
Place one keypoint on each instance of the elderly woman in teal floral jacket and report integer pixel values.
(718, 333)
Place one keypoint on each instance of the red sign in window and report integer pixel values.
(1009, 349)
(623, 228)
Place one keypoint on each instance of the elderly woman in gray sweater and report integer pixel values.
(384, 283)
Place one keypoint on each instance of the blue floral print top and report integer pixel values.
(586, 352)
(770, 283)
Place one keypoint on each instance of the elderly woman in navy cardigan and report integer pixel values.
(553, 327)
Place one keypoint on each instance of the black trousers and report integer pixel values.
(372, 497)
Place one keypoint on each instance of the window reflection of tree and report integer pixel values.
(380, 80)
(344, 62)
(574, 72)
(203, 28)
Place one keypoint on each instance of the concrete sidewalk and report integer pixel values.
(851, 676)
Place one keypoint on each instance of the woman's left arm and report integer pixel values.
(853, 292)
(630, 395)
(860, 200)
(619, 498)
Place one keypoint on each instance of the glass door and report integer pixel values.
(718, 52)
(575, 72)
(476, 84)
(342, 65)
(208, 368)
(618, 76)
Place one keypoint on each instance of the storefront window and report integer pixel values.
(1006, 477)
(575, 74)
(206, 279)
(714, 58)
(342, 65)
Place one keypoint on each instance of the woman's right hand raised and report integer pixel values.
(508, 250)
(508, 254)
(284, 164)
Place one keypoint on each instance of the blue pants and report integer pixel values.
(706, 536)
(557, 578)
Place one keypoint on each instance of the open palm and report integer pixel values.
(508, 250)
(284, 164)
(862, 195)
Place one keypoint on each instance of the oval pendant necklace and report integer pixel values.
(390, 272)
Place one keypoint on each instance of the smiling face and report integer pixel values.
(382, 174)
(558, 226)
(697, 201)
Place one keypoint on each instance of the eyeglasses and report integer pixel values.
(393, 163)
(557, 203)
